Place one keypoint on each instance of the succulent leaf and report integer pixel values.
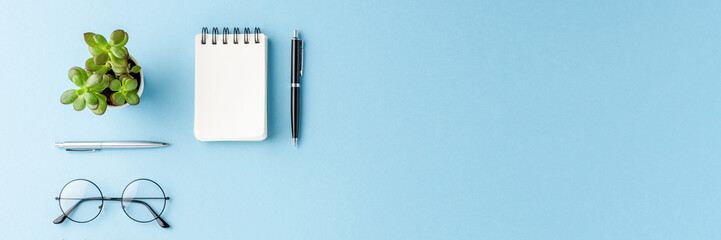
(135, 69)
(95, 51)
(118, 70)
(102, 104)
(100, 110)
(115, 85)
(117, 98)
(90, 65)
(105, 80)
(100, 40)
(68, 96)
(130, 84)
(91, 100)
(103, 69)
(101, 59)
(119, 52)
(78, 81)
(90, 40)
(77, 76)
(101, 97)
(132, 98)
(124, 41)
(79, 104)
(118, 62)
(74, 71)
(117, 37)
(94, 81)
(124, 79)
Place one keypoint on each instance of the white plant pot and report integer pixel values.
(141, 85)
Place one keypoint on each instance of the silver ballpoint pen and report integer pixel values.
(90, 146)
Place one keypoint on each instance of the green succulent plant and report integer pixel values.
(111, 53)
(90, 85)
(108, 77)
(125, 90)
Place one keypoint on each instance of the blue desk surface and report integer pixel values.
(421, 120)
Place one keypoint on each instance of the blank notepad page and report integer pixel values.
(230, 89)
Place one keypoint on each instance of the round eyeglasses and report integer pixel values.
(82, 201)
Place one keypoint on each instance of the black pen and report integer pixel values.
(296, 70)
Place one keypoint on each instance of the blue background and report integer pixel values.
(421, 120)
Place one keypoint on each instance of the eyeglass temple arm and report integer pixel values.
(158, 219)
(64, 216)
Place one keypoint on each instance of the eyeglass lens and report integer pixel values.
(81, 200)
(143, 200)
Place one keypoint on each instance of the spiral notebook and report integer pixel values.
(231, 85)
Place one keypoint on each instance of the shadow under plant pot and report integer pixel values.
(141, 84)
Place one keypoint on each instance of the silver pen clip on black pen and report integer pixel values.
(296, 70)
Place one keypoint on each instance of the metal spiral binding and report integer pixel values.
(215, 35)
(257, 33)
(202, 37)
(246, 31)
(226, 32)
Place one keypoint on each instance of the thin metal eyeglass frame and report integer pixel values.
(156, 216)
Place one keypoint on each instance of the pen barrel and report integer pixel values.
(296, 60)
(79, 145)
(295, 73)
(131, 144)
(295, 110)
